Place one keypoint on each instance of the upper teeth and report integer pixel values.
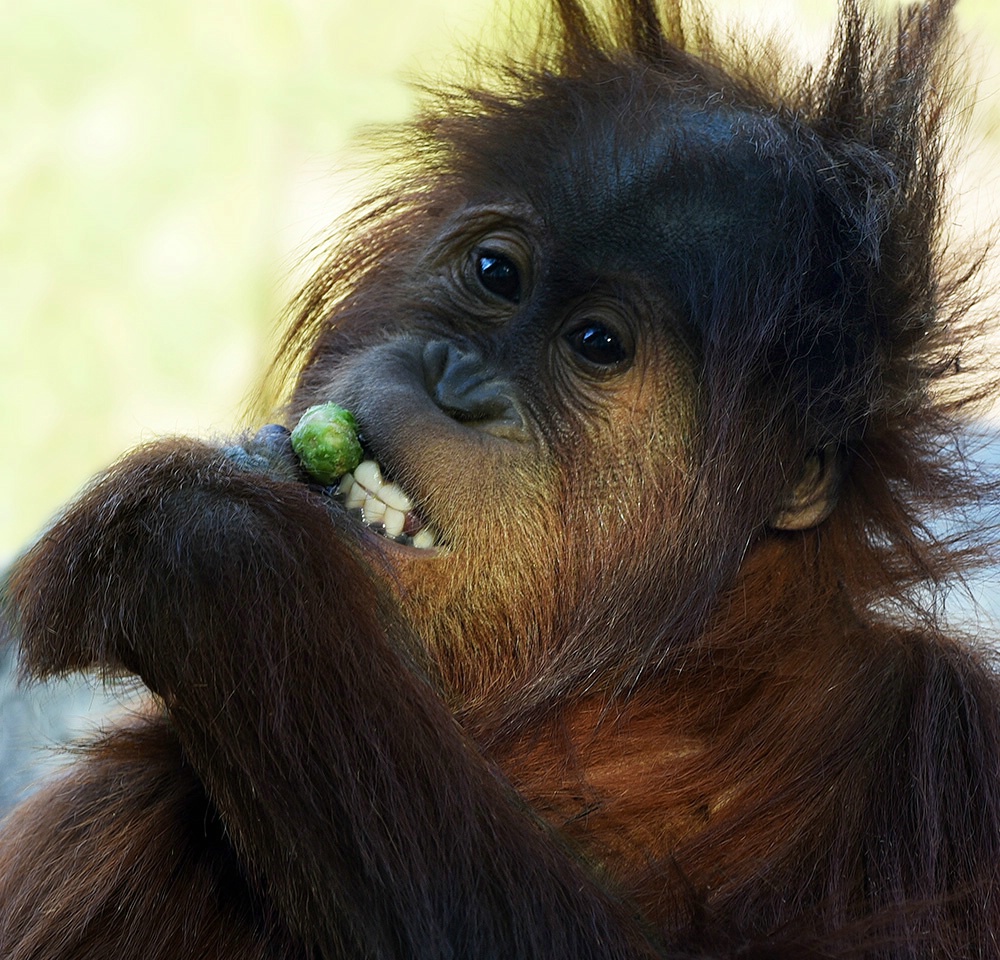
(383, 505)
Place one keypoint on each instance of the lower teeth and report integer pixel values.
(422, 539)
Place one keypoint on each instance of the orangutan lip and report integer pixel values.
(384, 507)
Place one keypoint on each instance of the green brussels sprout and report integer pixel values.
(326, 442)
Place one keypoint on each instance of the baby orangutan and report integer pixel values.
(617, 643)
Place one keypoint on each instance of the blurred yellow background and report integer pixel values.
(165, 166)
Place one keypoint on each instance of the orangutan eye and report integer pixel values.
(598, 345)
(498, 274)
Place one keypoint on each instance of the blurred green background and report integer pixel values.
(166, 165)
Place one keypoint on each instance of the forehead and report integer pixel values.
(690, 188)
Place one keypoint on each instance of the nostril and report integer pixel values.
(470, 396)
(468, 389)
(475, 402)
(435, 361)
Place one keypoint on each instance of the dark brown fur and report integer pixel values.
(629, 711)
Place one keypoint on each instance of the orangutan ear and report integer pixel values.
(814, 494)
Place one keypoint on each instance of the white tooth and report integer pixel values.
(394, 497)
(393, 520)
(346, 482)
(355, 496)
(424, 538)
(369, 476)
(373, 510)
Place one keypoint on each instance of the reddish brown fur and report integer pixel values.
(123, 856)
(625, 713)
